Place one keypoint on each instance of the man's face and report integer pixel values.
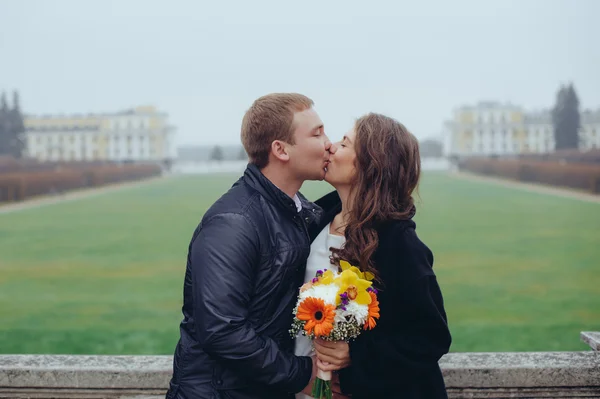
(309, 157)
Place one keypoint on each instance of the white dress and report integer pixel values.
(317, 260)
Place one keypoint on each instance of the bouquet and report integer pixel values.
(335, 306)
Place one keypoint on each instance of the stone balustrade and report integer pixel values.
(467, 375)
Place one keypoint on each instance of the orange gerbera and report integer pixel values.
(373, 312)
(318, 316)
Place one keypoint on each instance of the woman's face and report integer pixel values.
(341, 169)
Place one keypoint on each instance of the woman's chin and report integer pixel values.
(328, 179)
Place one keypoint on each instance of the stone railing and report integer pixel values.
(467, 375)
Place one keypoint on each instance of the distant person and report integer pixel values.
(246, 262)
(368, 221)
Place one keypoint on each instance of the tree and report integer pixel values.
(431, 148)
(4, 128)
(18, 128)
(217, 154)
(242, 156)
(566, 118)
(12, 128)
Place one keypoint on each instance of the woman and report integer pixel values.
(375, 169)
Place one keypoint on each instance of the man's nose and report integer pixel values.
(332, 148)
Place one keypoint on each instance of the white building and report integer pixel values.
(490, 128)
(140, 134)
(589, 134)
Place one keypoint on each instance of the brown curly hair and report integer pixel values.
(388, 168)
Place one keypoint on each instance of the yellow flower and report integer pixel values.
(326, 278)
(347, 266)
(349, 279)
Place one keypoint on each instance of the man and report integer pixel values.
(246, 261)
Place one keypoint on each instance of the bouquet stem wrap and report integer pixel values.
(322, 385)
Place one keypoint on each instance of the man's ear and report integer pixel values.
(280, 151)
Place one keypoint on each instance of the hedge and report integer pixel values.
(573, 175)
(17, 186)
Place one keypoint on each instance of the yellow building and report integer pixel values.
(491, 128)
(139, 134)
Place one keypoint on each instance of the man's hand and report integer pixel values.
(332, 355)
(308, 389)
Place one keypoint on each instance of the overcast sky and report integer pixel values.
(205, 62)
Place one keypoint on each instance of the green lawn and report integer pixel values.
(519, 271)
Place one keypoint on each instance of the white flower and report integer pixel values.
(327, 293)
(360, 313)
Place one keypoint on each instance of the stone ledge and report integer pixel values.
(592, 339)
(467, 375)
(521, 369)
(90, 372)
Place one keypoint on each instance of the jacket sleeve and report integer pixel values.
(412, 333)
(224, 258)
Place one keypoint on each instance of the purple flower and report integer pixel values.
(314, 280)
(344, 298)
(319, 273)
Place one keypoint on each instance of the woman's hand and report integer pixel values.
(332, 355)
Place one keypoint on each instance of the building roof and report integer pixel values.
(543, 116)
(590, 116)
(141, 110)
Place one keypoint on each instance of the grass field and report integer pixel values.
(519, 271)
